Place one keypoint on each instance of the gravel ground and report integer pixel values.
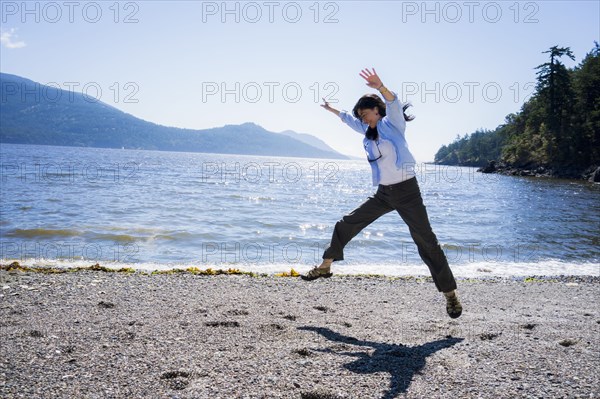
(94, 334)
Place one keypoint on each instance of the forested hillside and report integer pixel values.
(556, 132)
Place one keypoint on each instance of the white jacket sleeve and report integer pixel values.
(353, 122)
(395, 114)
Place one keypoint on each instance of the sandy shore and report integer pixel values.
(95, 334)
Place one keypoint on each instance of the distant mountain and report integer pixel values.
(32, 113)
(308, 139)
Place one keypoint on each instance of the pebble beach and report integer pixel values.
(96, 334)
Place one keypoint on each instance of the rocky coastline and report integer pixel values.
(591, 174)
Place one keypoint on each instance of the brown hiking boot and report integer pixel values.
(317, 272)
(453, 306)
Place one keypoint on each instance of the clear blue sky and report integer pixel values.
(168, 62)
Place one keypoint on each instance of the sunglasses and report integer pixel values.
(378, 150)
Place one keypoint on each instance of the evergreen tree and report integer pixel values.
(556, 94)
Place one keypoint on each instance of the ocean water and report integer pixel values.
(65, 206)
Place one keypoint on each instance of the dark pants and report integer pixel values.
(405, 198)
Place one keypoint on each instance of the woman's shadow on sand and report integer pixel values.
(400, 361)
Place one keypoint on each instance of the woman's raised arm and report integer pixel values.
(394, 110)
(330, 108)
(375, 82)
(348, 119)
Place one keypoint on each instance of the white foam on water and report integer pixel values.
(475, 269)
(549, 267)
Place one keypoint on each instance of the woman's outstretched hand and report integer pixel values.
(329, 108)
(371, 77)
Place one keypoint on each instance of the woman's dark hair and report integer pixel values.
(369, 101)
(373, 100)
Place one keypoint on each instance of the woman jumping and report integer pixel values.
(392, 167)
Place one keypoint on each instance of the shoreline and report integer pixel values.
(590, 174)
(292, 273)
(98, 334)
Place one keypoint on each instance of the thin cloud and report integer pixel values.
(8, 39)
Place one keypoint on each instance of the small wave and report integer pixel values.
(260, 198)
(134, 230)
(123, 236)
(118, 237)
(128, 234)
(451, 247)
(236, 196)
(307, 226)
(141, 230)
(140, 238)
(46, 233)
(174, 236)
